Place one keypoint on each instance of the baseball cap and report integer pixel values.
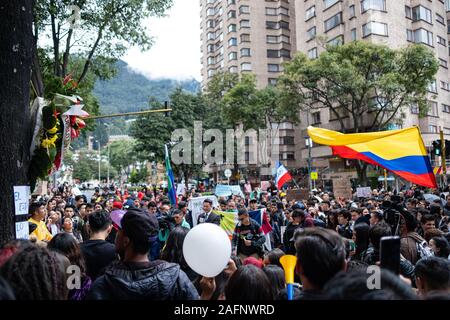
(117, 205)
(139, 226)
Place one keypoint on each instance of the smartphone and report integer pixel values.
(390, 253)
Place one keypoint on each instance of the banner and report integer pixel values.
(228, 221)
(195, 205)
(363, 192)
(224, 190)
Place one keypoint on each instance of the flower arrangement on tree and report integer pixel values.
(58, 122)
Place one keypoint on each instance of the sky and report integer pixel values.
(176, 50)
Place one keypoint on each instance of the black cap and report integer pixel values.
(139, 226)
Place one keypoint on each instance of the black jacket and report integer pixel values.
(212, 218)
(155, 280)
(288, 234)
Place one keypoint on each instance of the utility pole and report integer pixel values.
(443, 158)
(99, 161)
(308, 143)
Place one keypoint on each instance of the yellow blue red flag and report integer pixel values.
(400, 151)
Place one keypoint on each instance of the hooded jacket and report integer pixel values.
(155, 280)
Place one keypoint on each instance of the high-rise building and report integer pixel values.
(247, 36)
(395, 23)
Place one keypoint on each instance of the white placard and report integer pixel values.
(195, 205)
(363, 192)
(22, 230)
(21, 199)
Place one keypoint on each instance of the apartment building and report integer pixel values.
(395, 23)
(242, 36)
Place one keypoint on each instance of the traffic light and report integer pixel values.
(447, 149)
(437, 148)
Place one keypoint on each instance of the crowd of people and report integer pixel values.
(122, 245)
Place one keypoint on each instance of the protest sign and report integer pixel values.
(342, 188)
(363, 192)
(301, 194)
(195, 205)
(224, 190)
(21, 198)
(265, 185)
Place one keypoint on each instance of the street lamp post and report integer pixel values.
(99, 161)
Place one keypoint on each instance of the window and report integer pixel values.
(272, 81)
(423, 36)
(272, 39)
(312, 53)
(377, 28)
(245, 52)
(408, 12)
(315, 117)
(232, 56)
(333, 22)
(443, 63)
(289, 140)
(231, 2)
(210, 12)
(210, 72)
(233, 69)
(219, 11)
(409, 35)
(232, 28)
(231, 14)
(210, 1)
(210, 24)
(244, 9)
(441, 41)
(210, 48)
(432, 87)
(433, 109)
(421, 13)
(273, 67)
(210, 36)
(245, 37)
(352, 11)
(311, 12)
(285, 53)
(271, 25)
(285, 39)
(271, 12)
(245, 23)
(329, 3)
(339, 40)
(211, 60)
(440, 19)
(246, 66)
(445, 85)
(414, 108)
(232, 42)
(287, 156)
(311, 33)
(353, 34)
(283, 11)
(273, 54)
(379, 5)
(283, 25)
(220, 37)
(448, 26)
(432, 129)
(446, 108)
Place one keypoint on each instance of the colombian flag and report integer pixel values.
(400, 151)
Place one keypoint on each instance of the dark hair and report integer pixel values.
(353, 285)
(443, 245)
(237, 261)
(69, 206)
(101, 205)
(361, 231)
(298, 213)
(427, 217)
(173, 251)
(320, 253)
(435, 272)
(36, 273)
(89, 205)
(152, 204)
(435, 210)
(249, 283)
(276, 278)
(242, 211)
(208, 201)
(376, 232)
(79, 197)
(410, 220)
(34, 207)
(67, 245)
(99, 221)
(345, 213)
(274, 256)
(356, 265)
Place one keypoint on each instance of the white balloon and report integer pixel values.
(207, 249)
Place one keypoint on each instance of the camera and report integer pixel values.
(392, 211)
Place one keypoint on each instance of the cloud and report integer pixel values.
(176, 50)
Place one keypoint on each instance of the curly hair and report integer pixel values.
(35, 273)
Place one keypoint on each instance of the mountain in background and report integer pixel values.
(130, 91)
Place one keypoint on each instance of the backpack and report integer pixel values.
(423, 250)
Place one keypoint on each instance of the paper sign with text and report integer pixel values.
(21, 196)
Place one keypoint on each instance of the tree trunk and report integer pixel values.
(16, 54)
(361, 169)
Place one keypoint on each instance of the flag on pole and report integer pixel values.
(170, 180)
(260, 217)
(282, 175)
(400, 151)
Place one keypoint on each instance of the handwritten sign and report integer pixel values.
(195, 205)
(223, 190)
(21, 196)
(363, 192)
(301, 194)
(22, 230)
(342, 188)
